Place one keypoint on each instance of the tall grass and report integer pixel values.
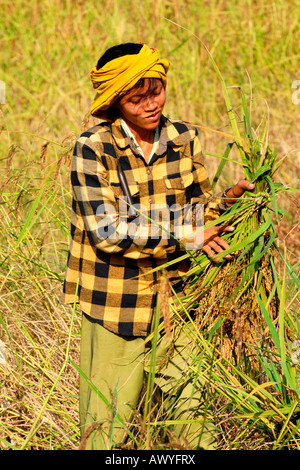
(48, 49)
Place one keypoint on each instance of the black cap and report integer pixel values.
(120, 50)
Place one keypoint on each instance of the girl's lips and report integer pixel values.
(153, 117)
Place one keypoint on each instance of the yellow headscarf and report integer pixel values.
(119, 75)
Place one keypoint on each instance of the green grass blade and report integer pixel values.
(270, 324)
(222, 164)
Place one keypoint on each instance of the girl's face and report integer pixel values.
(142, 109)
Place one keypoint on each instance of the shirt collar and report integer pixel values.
(172, 133)
(133, 141)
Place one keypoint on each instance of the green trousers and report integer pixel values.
(115, 367)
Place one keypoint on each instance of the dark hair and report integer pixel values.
(152, 85)
(120, 50)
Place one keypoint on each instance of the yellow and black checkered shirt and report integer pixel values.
(111, 255)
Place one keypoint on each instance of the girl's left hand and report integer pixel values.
(237, 191)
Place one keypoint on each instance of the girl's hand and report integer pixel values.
(211, 243)
(209, 240)
(237, 191)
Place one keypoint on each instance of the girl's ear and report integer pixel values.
(116, 105)
(113, 111)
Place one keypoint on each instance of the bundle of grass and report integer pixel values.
(244, 311)
(241, 315)
(239, 298)
(243, 303)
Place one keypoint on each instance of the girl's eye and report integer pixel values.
(135, 100)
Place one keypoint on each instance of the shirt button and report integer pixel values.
(151, 288)
(150, 200)
(148, 171)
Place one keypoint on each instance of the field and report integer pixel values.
(47, 51)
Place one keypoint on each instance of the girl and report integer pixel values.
(140, 189)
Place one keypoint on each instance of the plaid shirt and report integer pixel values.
(111, 255)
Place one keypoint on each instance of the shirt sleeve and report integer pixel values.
(96, 205)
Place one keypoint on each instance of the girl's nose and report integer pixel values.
(150, 102)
